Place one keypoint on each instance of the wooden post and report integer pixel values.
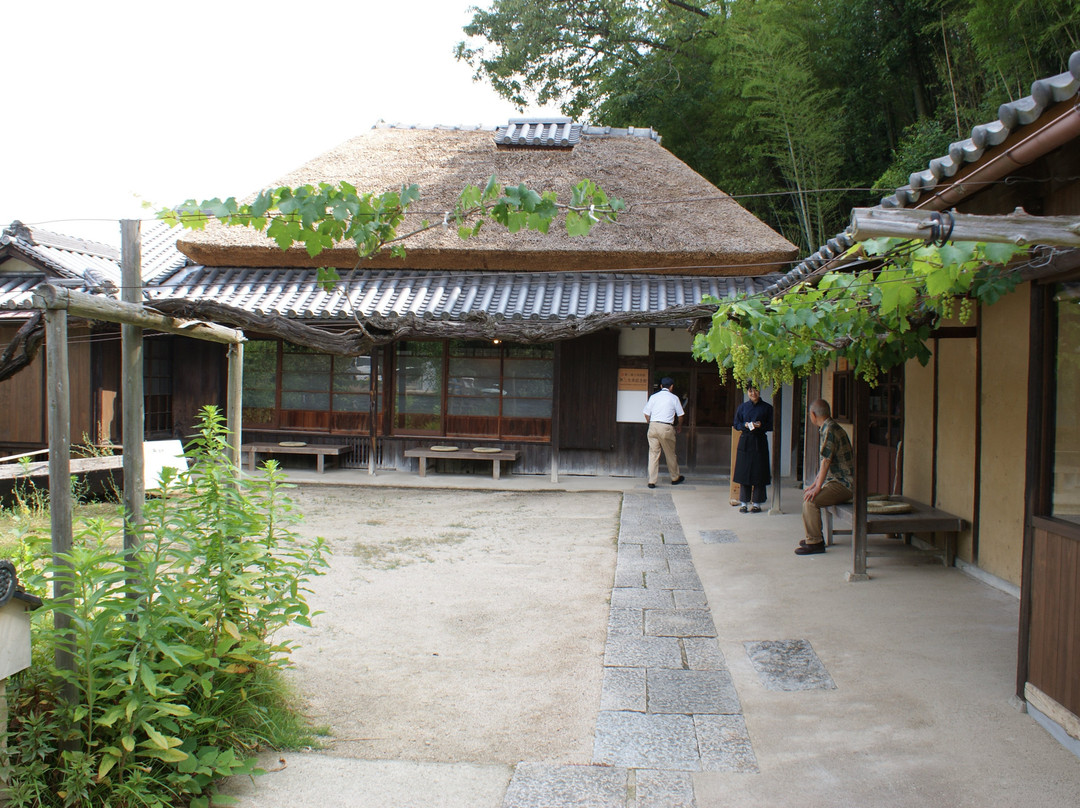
(56, 353)
(862, 479)
(131, 384)
(234, 415)
(777, 439)
(556, 392)
(373, 410)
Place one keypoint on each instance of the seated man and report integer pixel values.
(834, 481)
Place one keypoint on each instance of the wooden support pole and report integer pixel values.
(234, 416)
(777, 439)
(862, 479)
(56, 353)
(97, 307)
(373, 410)
(1018, 227)
(131, 385)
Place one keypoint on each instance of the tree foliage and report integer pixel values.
(713, 79)
(875, 318)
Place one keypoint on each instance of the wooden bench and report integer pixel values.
(496, 458)
(321, 450)
(920, 519)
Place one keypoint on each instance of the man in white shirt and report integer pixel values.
(663, 413)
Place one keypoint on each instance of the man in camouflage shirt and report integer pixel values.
(834, 481)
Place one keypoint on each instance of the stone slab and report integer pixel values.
(718, 536)
(623, 689)
(690, 599)
(692, 692)
(629, 578)
(679, 623)
(660, 789)
(672, 580)
(724, 744)
(643, 652)
(635, 598)
(643, 741)
(626, 622)
(704, 654)
(677, 551)
(788, 665)
(542, 785)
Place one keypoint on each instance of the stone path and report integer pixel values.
(668, 707)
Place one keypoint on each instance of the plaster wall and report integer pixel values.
(1005, 329)
(633, 342)
(918, 450)
(673, 340)
(956, 434)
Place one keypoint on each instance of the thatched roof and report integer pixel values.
(677, 223)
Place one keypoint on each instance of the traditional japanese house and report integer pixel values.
(577, 331)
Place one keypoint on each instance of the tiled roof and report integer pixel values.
(66, 257)
(447, 295)
(16, 289)
(1011, 116)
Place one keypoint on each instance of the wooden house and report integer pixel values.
(568, 398)
(30, 256)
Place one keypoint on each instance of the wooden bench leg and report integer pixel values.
(495, 469)
(826, 521)
(423, 466)
(319, 466)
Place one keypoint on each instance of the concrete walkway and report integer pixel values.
(739, 674)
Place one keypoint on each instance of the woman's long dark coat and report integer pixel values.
(752, 465)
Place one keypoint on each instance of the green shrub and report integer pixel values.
(176, 678)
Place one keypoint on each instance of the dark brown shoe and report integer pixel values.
(676, 482)
(810, 549)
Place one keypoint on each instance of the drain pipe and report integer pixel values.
(1064, 128)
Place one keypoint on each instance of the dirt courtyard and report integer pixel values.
(458, 626)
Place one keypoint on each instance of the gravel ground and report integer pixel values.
(458, 626)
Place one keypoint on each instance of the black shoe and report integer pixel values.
(755, 509)
(743, 509)
(676, 482)
(652, 485)
(810, 549)
(803, 543)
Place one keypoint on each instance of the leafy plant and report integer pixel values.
(875, 318)
(175, 680)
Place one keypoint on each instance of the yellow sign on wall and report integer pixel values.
(634, 379)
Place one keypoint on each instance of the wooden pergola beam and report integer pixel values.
(1018, 227)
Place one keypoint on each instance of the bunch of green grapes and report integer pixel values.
(945, 306)
(741, 357)
(966, 309)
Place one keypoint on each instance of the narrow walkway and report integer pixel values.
(668, 705)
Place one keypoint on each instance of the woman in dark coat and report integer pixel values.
(753, 419)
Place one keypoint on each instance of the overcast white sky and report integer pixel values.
(112, 102)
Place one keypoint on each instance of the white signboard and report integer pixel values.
(158, 455)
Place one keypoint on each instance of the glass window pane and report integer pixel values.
(316, 382)
(419, 385)
(1065, 500)
(304, 401)
(349, 402)
(527, 408)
